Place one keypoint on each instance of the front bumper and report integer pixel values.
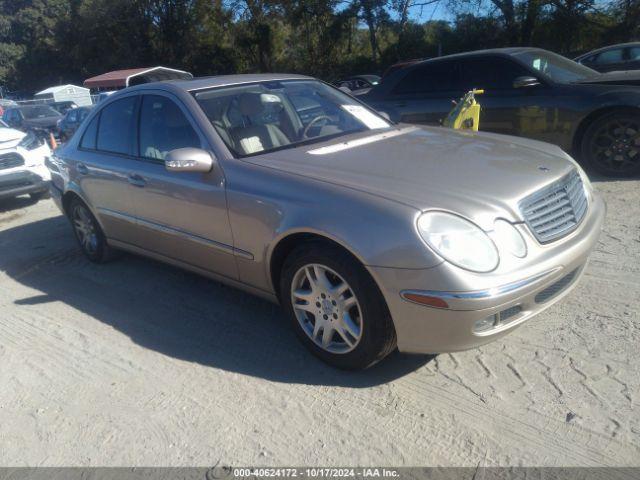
(505, 298)
(22, 183)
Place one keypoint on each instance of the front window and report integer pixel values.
(556, 67)
(262, 117)
(39, 111)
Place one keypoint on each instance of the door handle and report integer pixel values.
(82, 169)
(400, 104)
(136, 180)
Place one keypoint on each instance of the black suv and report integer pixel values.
(529, 92)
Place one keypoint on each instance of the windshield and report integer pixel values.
(262, 117)
(556, 67)
(39, 111)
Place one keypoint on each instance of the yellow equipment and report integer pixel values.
(465, 115)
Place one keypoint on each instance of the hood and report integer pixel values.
(626, 77)
(45, 122)
(479, 175)
(10, 137)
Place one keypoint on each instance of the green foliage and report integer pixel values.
(45, 42)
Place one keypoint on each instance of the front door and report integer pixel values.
(181, 215)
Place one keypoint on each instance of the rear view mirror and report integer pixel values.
(522, 82)
(189, 160)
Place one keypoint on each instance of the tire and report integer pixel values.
(89, 235)
(611, 144)
(350, 307)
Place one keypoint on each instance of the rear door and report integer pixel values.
(633, 58)
(425, 94)
(101, 167)
(181, 215)
(611, 60)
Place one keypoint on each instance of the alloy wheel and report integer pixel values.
(615, 146)
(85, 229)
(326, 308)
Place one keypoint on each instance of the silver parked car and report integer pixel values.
(370, 235)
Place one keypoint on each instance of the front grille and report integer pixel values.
(11, 160)
(557, 209)
(554, 289)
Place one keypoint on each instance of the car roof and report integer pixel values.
(602, 49)
(201, 83)
(474, 53)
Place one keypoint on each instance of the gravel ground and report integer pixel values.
(137, 363)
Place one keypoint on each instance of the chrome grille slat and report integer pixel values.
(552, 208)
(558, 212)
(544, 217)
(557, 209)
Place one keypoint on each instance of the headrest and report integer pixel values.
(250, 104)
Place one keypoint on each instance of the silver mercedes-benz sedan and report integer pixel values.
(371, 235)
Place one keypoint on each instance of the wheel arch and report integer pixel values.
(592, 117)
(72, 193)
(291, 240)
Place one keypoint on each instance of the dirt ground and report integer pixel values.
(137, 363)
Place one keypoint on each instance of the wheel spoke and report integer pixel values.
(349, 302)
(316, 329)
(303, 295)
(321, 278)
(345, 335)
(340, 289)
(327, 334)
(350, 326)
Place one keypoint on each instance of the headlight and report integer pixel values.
(509, 239)
(458, 241)
(31, 141)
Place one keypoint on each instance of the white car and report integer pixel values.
(22, 168)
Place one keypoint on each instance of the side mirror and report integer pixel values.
(189, 160)
(384, 115)
(522, 82)
(345, 89)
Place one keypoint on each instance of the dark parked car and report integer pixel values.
(71, 121)
(531, 93)
(63, 107)
(358, 82)
(32, 117)
(624, 56)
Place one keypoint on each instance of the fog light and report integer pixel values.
(485, 324)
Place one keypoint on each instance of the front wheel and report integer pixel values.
(611, 144)
(335, 307)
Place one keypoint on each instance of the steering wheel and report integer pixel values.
(312, 122)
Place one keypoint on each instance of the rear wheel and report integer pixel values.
(335, 307)
(611, 144)
(88, 233)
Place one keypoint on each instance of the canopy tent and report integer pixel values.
(134, 76)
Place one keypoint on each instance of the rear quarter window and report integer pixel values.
(115, 132)
(90, 134)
